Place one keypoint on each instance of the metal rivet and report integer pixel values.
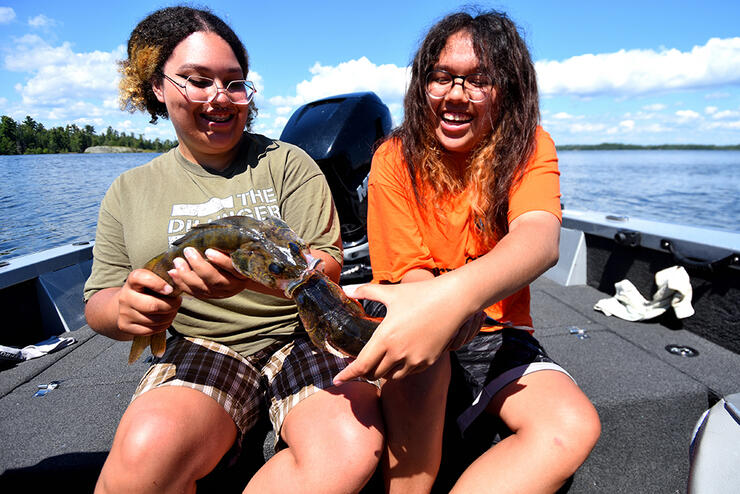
(682, 350)
(579, 332)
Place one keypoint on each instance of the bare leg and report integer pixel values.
(555, 427)
(168, 438)
(414, 411)
(334, 438)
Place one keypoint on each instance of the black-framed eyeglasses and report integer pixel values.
(200, 89)
(477, 87)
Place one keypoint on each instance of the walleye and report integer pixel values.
(267, 251)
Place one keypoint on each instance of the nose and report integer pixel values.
(457, 91)
(216, 96)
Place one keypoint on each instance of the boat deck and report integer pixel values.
(648, 398)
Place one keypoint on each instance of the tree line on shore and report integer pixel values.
(615, 146)
(31, 137)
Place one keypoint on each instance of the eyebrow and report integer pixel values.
(478, 70)
(203, 68)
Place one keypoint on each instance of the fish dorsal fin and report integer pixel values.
(200, 226)
(276, 222)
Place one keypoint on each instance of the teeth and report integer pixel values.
(456, 117)
(217, 118)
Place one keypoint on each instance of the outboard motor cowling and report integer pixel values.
(340, 134)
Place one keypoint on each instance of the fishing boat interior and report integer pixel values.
(666, 387)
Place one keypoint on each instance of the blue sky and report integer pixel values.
(646, 72)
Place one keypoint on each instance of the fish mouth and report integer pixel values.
(289, 286)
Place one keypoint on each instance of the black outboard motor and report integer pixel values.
(340, 134)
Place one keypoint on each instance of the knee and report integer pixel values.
(144, 443)
(138, 448)
(354, 446)
(574, 434)
(360, 448)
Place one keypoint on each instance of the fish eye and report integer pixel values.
(275, 268)
(294, 249)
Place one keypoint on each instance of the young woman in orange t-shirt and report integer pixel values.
(464, 213)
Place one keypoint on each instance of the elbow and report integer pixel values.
(553, 257)
(553, 250)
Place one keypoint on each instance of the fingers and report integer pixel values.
(203, 278)
(377, 361)
(369, 291)
(223, 262)
(351, 290)
(141, 308)
(365, 365)
(141, 280)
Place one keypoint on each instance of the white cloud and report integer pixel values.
(656, 128)
(587, 127)
(256, 79)
(387, 81)
(31, 52)
(562, 116)
(7, 15)
(710, 110)
(733, 126)
(654, 107)
(685, 115)
(717, 95)
(627, 125)
(643, 71)
(60, 76)
(726, 114)
(41, 21)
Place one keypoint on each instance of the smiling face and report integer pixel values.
(208, 133)
(460, 124)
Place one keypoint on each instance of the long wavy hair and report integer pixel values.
(152, 42)
(499, 159)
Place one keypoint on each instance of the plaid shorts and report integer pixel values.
(282, 374)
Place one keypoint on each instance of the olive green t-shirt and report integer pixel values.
(148, 207)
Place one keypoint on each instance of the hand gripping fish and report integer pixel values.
(258, 249)
(270, 253)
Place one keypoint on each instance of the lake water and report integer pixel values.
(52, 200)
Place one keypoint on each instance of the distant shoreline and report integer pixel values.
(615, 146)
(116, 149)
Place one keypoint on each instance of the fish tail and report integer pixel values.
(158, 343)
(137, 347)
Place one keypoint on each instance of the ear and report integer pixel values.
(158, 89)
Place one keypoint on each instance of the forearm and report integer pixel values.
(101, 312)
(329, 265)
(527, 251)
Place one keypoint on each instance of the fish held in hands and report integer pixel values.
(260, 250)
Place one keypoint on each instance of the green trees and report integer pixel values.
(30, 137)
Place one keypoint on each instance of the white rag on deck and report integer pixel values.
(674, 290)
(33, 351)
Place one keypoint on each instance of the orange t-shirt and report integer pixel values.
(402, 236)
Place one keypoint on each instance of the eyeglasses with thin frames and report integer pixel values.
(477, 87)
(200, 89)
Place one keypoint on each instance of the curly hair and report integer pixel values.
(152, 42)
(498, 161)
